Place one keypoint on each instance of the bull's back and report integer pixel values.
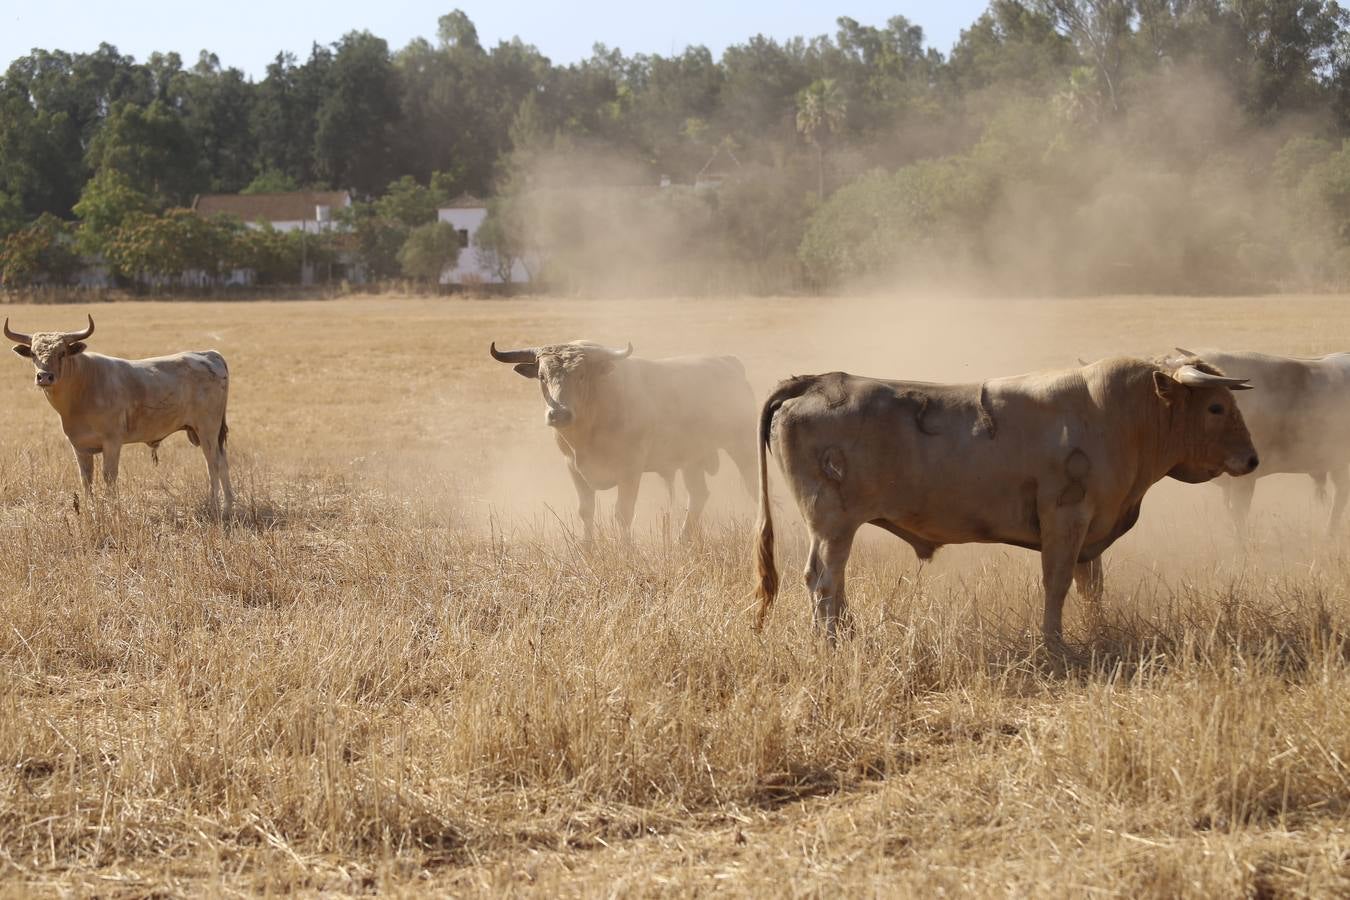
(701, 392)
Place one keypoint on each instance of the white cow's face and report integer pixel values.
(49, 352)
(568, 375)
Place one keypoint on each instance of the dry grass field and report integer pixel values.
(396, 670)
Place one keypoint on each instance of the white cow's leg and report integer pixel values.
(112, 455)
(1090, 580)
(1238, 493)
(86, 463)
(1340, 479)
(627, 505)
(696, 484)
(585, 504)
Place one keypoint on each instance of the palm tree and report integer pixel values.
(820, 113)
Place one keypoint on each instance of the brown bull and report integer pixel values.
(1057, 462)
(105, 402)
(616, 417)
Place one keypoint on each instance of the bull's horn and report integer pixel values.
(1184, 352)
(513, 356)
(1193, 377)
(73, 336)
(17, 337)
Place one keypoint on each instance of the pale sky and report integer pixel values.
(249, 33)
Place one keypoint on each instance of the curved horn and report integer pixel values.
(17, 337)
(513, 356)
(72, 336)
(1193, 377)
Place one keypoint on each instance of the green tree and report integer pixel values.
(40, 253)
(429, 250)
(820, 114)
(354, 128)
(151, 148)
(108, 199)
(377, 239)
(271, 181)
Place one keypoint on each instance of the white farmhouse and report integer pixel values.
(475, 266)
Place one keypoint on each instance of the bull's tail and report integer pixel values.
(224, 433)
(766, 568)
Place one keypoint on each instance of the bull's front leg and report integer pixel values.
(112, 456)
(585, 503)
(627, 505)
(86, 464)
(1062, 533)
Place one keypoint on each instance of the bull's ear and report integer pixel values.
(23, 350)
(602, 366)
(77, 347)
(1168, 388)
(527, 370)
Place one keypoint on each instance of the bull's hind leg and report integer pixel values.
(223, 469)
(696, 485)
(211, 449)
(825, 568)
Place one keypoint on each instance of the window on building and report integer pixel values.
(464, 237)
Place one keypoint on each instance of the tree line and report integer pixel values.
(1061, 145)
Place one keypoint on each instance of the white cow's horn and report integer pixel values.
(513, 356)
(73, 336)
(17, 337)
(1193, 377)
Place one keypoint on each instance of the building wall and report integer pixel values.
(474, 266)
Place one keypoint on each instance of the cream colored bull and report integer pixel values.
(105, 402)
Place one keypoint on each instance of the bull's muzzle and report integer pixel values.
(1242, 465)
(558, 417)
(45, 379)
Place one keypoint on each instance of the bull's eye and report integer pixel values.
(1216, 409)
